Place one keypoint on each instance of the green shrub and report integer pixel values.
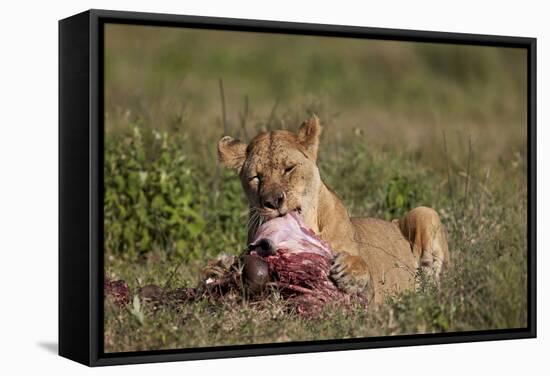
(402, 196)
(156, 199)
(151, 195)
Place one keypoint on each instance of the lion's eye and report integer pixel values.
(254, 179)
(289, 169)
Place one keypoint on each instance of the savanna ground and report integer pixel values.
(405, 124)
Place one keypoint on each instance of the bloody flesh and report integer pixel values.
(298, 260)
(284, 254)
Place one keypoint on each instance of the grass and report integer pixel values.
(404, 125)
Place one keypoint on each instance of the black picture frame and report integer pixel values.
(81, 184)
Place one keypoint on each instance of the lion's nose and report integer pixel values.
(274, 200)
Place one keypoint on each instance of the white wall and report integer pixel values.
(28, 184)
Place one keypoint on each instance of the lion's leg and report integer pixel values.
(426, 234)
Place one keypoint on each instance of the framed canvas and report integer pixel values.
(233, 187)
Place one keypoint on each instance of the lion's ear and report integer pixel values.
(309, 134)
(232, 153)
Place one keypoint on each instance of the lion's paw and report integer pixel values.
(350, 273)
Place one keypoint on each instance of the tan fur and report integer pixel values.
(279, 173)
(428, 239)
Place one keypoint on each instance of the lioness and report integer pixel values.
(279, 174)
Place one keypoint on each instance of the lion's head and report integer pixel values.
(278, 170)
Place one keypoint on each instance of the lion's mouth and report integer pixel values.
(271, 214)
(285, 212)
(261, 217)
